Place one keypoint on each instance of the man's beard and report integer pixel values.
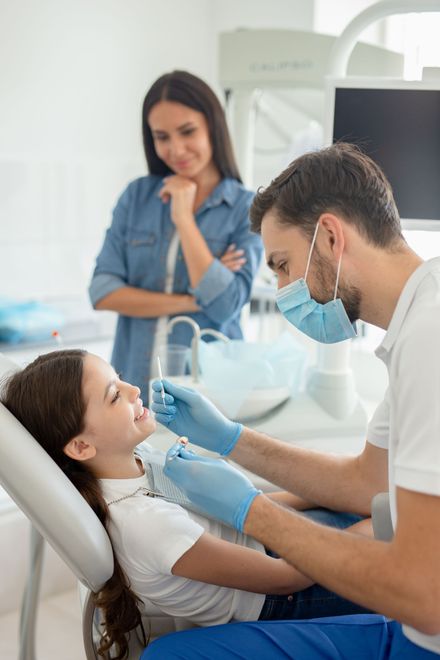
(324, 272)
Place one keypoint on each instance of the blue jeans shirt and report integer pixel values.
(134, 254)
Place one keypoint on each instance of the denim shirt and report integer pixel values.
(134, 254)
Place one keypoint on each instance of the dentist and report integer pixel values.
(332, 234)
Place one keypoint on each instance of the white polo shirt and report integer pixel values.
(407, 422)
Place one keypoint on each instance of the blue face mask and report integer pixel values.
(327, 323)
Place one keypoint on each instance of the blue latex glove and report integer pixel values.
(186, 412)
(212, 484)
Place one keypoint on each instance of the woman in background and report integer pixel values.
(180, 241)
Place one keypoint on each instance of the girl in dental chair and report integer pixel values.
(91, 422)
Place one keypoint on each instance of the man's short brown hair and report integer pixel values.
(339, 179)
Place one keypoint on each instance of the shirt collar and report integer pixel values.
(403, 305)
(225, 191)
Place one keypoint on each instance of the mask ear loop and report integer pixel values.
(337, 276)
(311, 250)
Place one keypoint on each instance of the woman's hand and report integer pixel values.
(233, 259)
(181, 192)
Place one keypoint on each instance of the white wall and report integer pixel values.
(73, 76)
(259, 14)
(72, 80)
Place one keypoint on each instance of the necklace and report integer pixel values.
(162, 487)
(145, 491)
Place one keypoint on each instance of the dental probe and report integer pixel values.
(162, 390)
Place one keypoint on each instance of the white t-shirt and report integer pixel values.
(150, 534)
(407, 422)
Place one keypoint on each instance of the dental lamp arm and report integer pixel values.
(344, 45)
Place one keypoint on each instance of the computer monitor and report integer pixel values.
(397, 123)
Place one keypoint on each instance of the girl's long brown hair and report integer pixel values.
(46, 397)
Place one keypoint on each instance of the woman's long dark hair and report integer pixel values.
(46, 397)
(185, 88)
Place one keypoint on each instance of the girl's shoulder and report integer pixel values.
(148, 520)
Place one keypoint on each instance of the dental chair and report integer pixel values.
(60, 515)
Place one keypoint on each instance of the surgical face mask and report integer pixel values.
(327, 323)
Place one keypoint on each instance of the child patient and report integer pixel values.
(91, 422)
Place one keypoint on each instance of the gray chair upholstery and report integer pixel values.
(381, 517)
(62, 517)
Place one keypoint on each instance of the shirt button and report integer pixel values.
(290, 598)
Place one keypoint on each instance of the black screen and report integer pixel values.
(400, 130)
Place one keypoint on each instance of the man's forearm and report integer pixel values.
(363, 570)
(290, 500)
(324, 479)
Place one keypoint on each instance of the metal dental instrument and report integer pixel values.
(162, 391)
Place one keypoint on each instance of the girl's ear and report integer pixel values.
(79, 450)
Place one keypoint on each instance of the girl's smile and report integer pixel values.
(143, 414)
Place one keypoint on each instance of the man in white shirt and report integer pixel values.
(332, 235)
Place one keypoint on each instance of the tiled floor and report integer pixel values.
(58, 630)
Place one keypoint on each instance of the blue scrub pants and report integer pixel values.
(355, 637)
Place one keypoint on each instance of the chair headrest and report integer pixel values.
(51, 502)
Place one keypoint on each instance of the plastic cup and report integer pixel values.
(174, 359)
